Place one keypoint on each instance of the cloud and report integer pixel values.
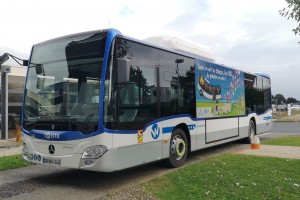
(252, 37)
(249, 36)
(192, 12)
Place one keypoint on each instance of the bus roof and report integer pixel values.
(175, 45)
(183, 45)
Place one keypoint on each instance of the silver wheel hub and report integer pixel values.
(178, 147)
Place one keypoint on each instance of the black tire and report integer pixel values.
(251, 130)
(178, 148)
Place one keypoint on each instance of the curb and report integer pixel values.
(9, 147)
(9, 143)
(10, 151)
(273, 151)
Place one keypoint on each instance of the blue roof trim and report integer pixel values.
(111, 34)
(263, 75)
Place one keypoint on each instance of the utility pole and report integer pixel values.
(4, 91)
(4, 97)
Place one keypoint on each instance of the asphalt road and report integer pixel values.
(286, 127)
(44, 182)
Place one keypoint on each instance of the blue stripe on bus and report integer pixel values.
(77, 135)
(170, 129)
(57, 135)
(268, 118)
(120, 131)
(167, 129)
(191, 127)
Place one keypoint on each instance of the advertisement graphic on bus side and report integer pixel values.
(219, 91)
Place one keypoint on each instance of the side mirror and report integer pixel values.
(39, 69)
(25, 63)
(123, 67)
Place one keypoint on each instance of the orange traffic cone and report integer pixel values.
(255, 143)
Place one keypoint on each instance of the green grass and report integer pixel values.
(231, 176)
(282, 116)
(284, 141)
(12, 162)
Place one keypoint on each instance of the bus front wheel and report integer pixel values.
(178, 148)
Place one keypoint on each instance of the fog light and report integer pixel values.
(88, 162)
(94, 151)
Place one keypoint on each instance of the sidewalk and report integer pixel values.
(9, 147)
(273, 151)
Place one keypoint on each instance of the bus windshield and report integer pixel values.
(63, 83)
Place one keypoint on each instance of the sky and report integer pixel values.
(247, 35)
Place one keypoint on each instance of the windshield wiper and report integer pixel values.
(29, 124)
(84, 126)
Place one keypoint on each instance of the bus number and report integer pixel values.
(35, 157)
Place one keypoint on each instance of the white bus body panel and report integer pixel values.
(183, 45)
(125, 150)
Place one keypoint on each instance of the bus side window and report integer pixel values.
(128, 98)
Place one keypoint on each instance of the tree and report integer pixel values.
(292, 11)
(273, 100)
(291, 100)
(279, 98)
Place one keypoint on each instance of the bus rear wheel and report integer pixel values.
(251, 130)
(178, 148)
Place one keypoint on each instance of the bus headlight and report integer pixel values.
(94, 151)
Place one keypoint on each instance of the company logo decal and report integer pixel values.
(155, 132)
(268, 118)
(192, 127)
(51, 149)
(50, 135)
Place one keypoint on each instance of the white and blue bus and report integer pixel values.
(102, 101)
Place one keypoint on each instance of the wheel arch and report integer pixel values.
(254, 120)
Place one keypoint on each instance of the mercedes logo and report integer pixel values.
(52, 127)
(51, 149)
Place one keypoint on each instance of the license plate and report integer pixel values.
(51, 161)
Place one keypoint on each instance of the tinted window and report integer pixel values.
(138, 101)
(135, 99)
(267, 93)
(177, 84)
(63, 83)
(257, 93)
